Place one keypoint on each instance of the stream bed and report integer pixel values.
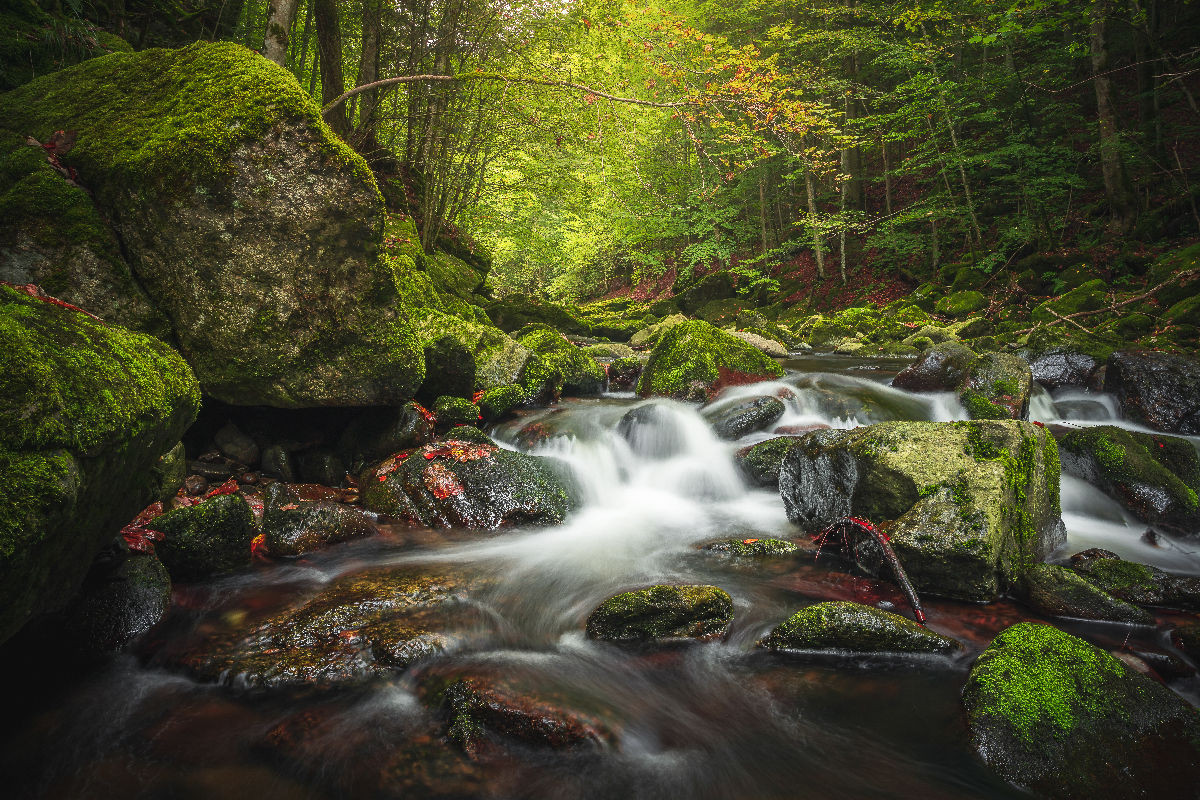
(711, 720)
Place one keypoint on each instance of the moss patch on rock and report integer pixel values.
(856, 628)
(579, 371)
(693, 360)
(207, 539)
(662, 612)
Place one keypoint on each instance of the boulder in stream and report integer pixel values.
(853, 627)
(580, 373)
(997, 386)
(1052, 713)
(210, 538)
(969, 506)
(694, 360)
(662, 613)
(247, 221)
(760, 463)
(124, 595)
(293, 525)
(455, 483)
(86, 411)
(1060, 592)
(941, 369)
(1137, 583)
(1057, 368)
(1155, 477)
(733, 419)
(1161, 390)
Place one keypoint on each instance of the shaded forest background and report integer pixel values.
(606, 147)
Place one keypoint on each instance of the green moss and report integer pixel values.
(959, 304)
(980, 407)
(1127, 459)
(1123, 578)
(753, 548)
(31, 486)
(662, 612)
(456, 411)
(696, 352)
(1091, 296)
(580, 372)
(206, 539)
(173, 120)
(851, 626)
(1040, 681)
(497, 402)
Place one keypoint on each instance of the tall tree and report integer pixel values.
(281, 16)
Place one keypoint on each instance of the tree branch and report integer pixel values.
(1187, 273)
(488, 76)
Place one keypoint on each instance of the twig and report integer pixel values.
(1187, 273)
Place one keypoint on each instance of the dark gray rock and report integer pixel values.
(1161, 390)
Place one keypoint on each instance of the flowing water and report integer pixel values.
(715, 720)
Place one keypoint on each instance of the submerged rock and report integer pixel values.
(205, 159)
(1059, 592)
(997, 386)
(1155, 477)
(941, 369)
(1161, 390)
(206, 539)
(467, 484)
(87, 411)
(969, 506)
(360, 627)
(1137, 583)
(841, 625)
(653, 430)
(753, 548)
(694, 360)
(662, 613)
(760, 463)
(293, 525)
(734, 419)
(1052, 713)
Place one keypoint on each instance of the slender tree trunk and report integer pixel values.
(281, 15)
(329, 45)
(887, 178)
(1117, 186)
(304, 39)
(762, 209)
(811, 188)
(368, 72)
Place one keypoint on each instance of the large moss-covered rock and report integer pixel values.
(246, 220)
(1060, 592)
(1156, 477)
(1091, 296)
(207, 539)
(481, 357)
(941, 369)
(1052, 713)
(581, 374)
(969, 506)
(467, 484)
(1137, 583)
(662, 613)
(959, 304)
(1161, 390)
(857, 628)
(694, 360)
(997, 386)
(649, 335)
(513, 313)
(87, 410)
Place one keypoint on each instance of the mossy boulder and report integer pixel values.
(648, 336)
(856, 628)
(52, 235)
(361, 627)
(969, 506)
(1056, 591)
(481, 357)
(1171, 264)
(1054, 714)
(941, 369)
(88, 410)
(997, 386)
(1161, 390)
(451, 411)
(960, 304)
(206, 159)
(1156, 477)
(1137, 583)
(752, 548)
(609, 351)
(210, 538)
(513, 313)
(694, 360)
(580, 373)
(499, 401)
(771, 346)
(759, 463)
(662, 613)
(456, 483)
(1091, 296)
(293, 525)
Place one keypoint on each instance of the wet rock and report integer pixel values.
(210, 538)
(770, 347)
(997, 386)
(481, 700)
(941, 369)
(123, 597)
(451, 411)
(1052, 713)
(623, 374)
(840, 625)
(760, 463)
(456, 483)
(1057, 368)
(497, 403)
(662, 613)
(753, 548)
(277, 463)
(236, 445)
(321, 466)
(360, 627)
(294, 526)
(1187, 638)
(734, 419)
(968, 505)
(1155, 477)
(377, 433)
(694, 360)
(195, 485)
(1161, 390)
(87, 410)
(1138, 583)
(653, 430)
(169, 474)
(1059, 592)
(581, 375)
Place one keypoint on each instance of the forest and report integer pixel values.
(643, 399)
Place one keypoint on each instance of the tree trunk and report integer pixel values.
(1117, 187)
(811, 188)
(281, 15)
(329, 45)
(368, 72)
